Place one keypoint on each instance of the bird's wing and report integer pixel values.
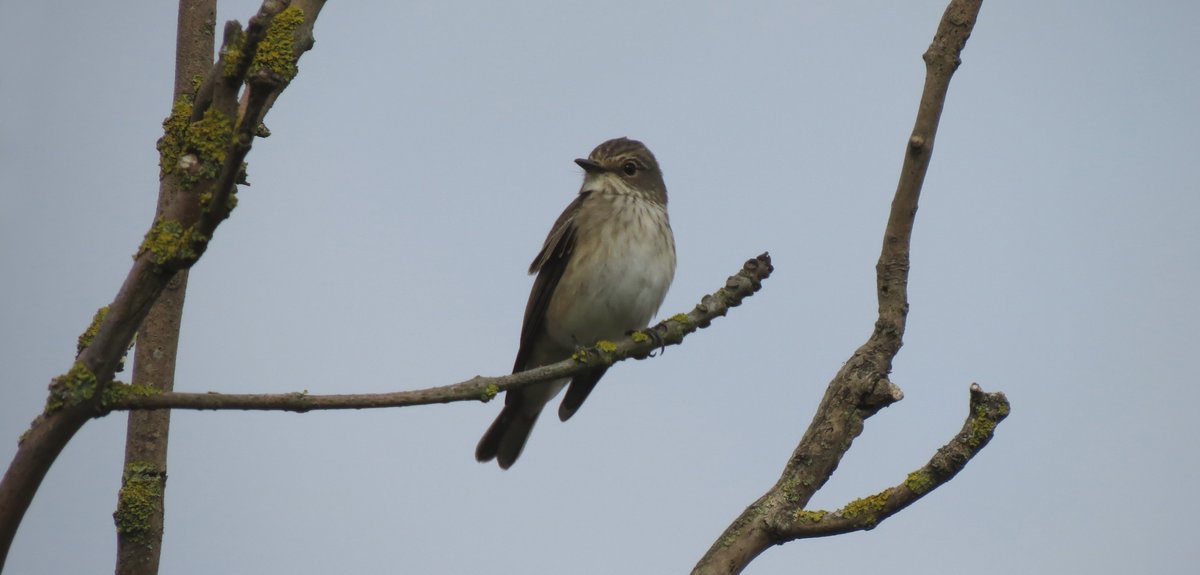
(548, 265)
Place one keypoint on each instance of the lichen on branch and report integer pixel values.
(277, 51)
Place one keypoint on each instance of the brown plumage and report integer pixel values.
(603, 271)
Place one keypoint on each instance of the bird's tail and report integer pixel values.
(506, 437)
(581, 386)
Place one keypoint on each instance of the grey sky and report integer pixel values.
(418, 161)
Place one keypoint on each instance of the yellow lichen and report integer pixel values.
(277, 51)
(139, 499)
(639, 337)
(75, 387)
(867, 508)
(606, 346)
(170, 145)
(169, 243)
(206, 197)
(489, 392)
(118, 391)
(85, 338)
(982, 427)
(209, 139)
(580, 356)
(811, 516)
(919, 482)
(231, 54)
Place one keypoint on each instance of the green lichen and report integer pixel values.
(118, 391)
(639, 337)
(206, 197)
(170, 145)
(72, 388)
(982, 427)
(792, 486)
(277, 51)
(169, 243)
(85, 338)
(580, 355)
(867, 509)
(231, 54)
(681, 318)
(196, 81)
(919, 482)
(139, 499)
(606, 346)
(811, 516)
(489, 392)
(209, 140)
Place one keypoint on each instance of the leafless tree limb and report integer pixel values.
(637, 345)
(861, 388)
(206, 142)
(985, 412)
(139, 513)
(204, 147)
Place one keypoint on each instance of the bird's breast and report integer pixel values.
(618, 274)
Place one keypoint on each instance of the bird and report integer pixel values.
(603, 271)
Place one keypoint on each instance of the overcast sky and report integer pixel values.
(417, 163)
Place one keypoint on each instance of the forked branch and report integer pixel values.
(985, 412)
(861, 388)
(204, 147)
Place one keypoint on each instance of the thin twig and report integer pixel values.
(637, 345)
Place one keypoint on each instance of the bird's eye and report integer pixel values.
(629, 168)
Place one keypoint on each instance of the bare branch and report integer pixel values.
(139, 513)
(205, 153)
(861, 388)
(638, 345)
(985, 412)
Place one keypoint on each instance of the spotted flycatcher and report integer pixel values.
(602, 272)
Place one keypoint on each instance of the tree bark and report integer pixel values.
(139, 516)
(637, 345)
(205, 144)
(861, 387)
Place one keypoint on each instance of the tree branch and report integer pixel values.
(861, 387)
(139, 513)
(205, 155)
(637, 345)
(985, 412)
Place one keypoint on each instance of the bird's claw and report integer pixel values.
(653, 335)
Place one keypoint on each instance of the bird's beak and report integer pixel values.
(589, 166)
